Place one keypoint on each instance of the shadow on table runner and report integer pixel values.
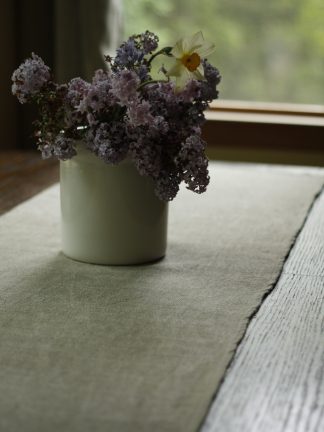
(87, 347)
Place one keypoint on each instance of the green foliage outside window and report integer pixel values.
(266, 50)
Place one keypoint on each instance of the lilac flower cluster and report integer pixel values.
(124, 113)
(130, 54)
(30, 78)
(62, 148)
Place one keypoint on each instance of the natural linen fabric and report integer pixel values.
(95, 348)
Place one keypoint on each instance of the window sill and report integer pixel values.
(270, 133)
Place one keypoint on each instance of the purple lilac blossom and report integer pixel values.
(98, 97)
(123, 114)
(139, 113)
(30, 78)
(128, 55)
(109, 142)
(167, 186)
(47, 150)
(124, 86)
(92, 120)
(100, 75)
(211, 73)
(190, 92)
(77, 90)
(149, 41)
(194, 164)
(72, 118)
(143, 73)
(62, 148)
(159, 126)
(146, 156)
(213, 78)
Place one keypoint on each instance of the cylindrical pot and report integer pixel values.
(110, 214)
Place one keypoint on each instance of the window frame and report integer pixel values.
(265, 132)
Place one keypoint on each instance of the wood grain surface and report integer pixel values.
(276, 380)
(22, 175)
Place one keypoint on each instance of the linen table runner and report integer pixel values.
(143, 348)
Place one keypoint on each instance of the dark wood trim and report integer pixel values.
(264, 135)
(269, 133)
(22, 175)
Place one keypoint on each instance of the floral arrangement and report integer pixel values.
(124, 112)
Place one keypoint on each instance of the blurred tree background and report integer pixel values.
(266, 50)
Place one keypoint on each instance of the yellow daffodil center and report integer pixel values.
(191, 61)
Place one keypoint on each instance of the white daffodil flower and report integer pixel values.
(188, 53)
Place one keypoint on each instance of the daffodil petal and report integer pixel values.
(182, 80)
(205, 49)
(186, 73)
(199, 73)
(196, 41)
(190, 43)
(177, 69)
(177, 50)
(188, 53)
(186, 45)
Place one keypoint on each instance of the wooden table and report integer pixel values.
(22, 175)
(275, 381)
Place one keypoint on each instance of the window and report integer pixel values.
(266, 50)
(271, 56)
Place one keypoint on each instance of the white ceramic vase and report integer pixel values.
(110, 214)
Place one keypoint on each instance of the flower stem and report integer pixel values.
(164, 51)
(151, 82)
